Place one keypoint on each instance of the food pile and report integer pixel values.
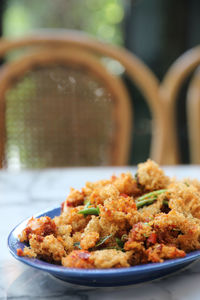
(120, 222)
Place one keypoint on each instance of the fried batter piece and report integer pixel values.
(74, 199)
(89, 240)
(151, 177)
(42, 226)
(127, 184)
(185, 199)
(174, 228)
(110, 258)
(48, 248)
(78, 259)
(159, 252)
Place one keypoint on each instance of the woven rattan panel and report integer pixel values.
(58, 116)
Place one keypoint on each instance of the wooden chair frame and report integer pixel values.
(169, 89)
(140, 74)
(42, 58)
(193, 115)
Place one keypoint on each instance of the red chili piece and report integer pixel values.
(20, 252)
(152, 238)
(123, 195)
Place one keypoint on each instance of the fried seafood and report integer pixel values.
(120, 222)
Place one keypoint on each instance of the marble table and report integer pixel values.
(25, 193)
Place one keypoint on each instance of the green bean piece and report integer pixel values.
(151, 194)
(145, 202)
(87, 204)
(90, 211)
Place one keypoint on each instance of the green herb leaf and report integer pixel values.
(102, 240)
(175, 229)
(120, 243)
(90, 211)
(77, 244)
(145, 235)
(146, 223)
(124, 237)
(116, 248)
(166, 202)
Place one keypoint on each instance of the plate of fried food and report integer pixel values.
(124, 230)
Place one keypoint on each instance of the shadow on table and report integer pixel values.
(34, 284)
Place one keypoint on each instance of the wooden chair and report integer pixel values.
(169, 90)
(60, 106)
(193, 115)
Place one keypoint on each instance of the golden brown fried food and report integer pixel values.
(120, 222)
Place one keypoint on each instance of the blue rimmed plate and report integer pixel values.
(105, 277)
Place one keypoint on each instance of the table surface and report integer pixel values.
(25, 193)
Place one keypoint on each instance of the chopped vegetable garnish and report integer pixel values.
(102, 240)
(148, 198)
(146, 223)
(145, 202)
(77, 244)
(151, 194)
(175, 229)
(119, 242)
(145, 235)
(87, 204)
(166, 202)
(90, 211)
(124, 237)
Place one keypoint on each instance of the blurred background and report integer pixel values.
(157, 31)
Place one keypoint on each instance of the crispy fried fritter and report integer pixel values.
(110, 258)
(151, 177)
(89, 240)
(119, 232)
(159, 252)
(78, 259)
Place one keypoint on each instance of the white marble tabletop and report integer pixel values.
(25, 193)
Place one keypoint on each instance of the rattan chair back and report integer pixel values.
(61, 106)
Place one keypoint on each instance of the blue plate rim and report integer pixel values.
(77, 272)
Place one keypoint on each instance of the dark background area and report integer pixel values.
(158, 32)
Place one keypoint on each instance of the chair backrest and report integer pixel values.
(60, 106)
(169, 89)
(193, 116)
(64, 109)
